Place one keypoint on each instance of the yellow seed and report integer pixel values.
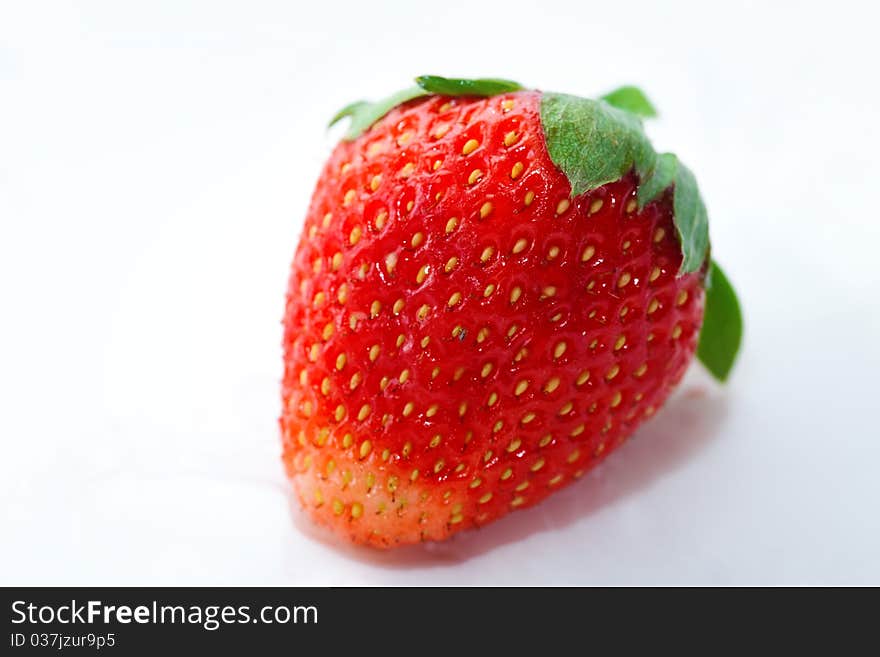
(612, 372)
(510, 138)
(482, 334)
(522, 486)
(515, 294)
(537, 465)
(423, 311)
(338, 507)
(325, 386)
(407, 448)
(475, 483)
(517, 170)
(514, 445)
(475, 175)
(485, 210)
(507, 474)
(624, 279)
(487, 369)
(520, 245)
(548, 292)
(374, 352)
(392, 483)
(559, 349)
(408, 409)
(457, 330)
(340, 361)
(487, 253)
(507, 105)
(631, 205)
(414, 475)
(595, 206)
(450, 264)
(490, 288)
(380, 220)
(626, 245)
(655, 274)
(653, 305)
(529, 197)
(681, 298)
(409, 206)
(314, 350)
(417, 240)
(342, 294)
(366, 448)
(528, 417)
(577, 431)
(519, 500)
(616, 399)
(470, 146)
(555, 480)
(339, 413)
(676, 332)
(562, 206)
(551, 384)
(521, 387)
(400, 340)
(438, 466)
(319, 498)
(493, 398)
(641, 370)
(552, 253)
(364, 412)
(455, 519)
(620, 342)
(485, 498)
(451, 225)
(375, 182)
(357, 510)
(566, 408)
(397, 307)
(320, 297)
(425, 340)
(407, 169)
(659, 234)
(462, 409)
(588, 253)
(404, 376)
(375, 307)
(383, 383)
(349, 197)
(432, 410)
(435, 441)
(355, 235)
(454, 299)
(583, 377)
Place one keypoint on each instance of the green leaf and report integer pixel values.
(592, 142)
(658, 179)
(721, 334)
(434, 84)
(691, 220)
(632, 100)
(348, 110)
(364, 114)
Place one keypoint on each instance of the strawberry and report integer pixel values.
(494, 288)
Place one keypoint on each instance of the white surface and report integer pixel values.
(155, 163)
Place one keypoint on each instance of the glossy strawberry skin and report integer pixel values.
(461, 337)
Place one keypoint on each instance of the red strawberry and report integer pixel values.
(483, 306)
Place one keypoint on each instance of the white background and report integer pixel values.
(156, 160)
